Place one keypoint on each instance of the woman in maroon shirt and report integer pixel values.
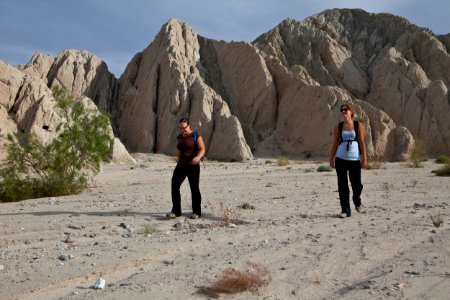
(190, 152)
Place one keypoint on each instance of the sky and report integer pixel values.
(115, 30)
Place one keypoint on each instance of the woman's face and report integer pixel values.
(184, 127)
(345, 111)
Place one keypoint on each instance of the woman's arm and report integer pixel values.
(362, 145)
(335, 145)
(201, 150)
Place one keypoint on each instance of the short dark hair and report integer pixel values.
(185, 120)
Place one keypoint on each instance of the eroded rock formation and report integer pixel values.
(163, 84)
(278, 95)
(396, 66)
(27, 105)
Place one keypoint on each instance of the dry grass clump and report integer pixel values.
(437, 220)
(418, 154)
(387, 186)
(149, 229)
(233, 281)
(211, 208)
(228, 216)
(324, 168)
(443, 171)
(375, 163)
(246, 205)
(282, 162)
(442, 159)
(317, 279)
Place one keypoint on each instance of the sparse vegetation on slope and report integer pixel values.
(64, 166)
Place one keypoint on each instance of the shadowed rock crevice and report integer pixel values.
(209, 67)
(155, 107)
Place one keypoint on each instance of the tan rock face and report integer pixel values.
(28, 101)
(84, 74)
(119, 153)
(382, 59)
(403, 90)
(239, 74)
(39, 66)
(8, 126)
(27, 105)
(160, 86)
(11, 81)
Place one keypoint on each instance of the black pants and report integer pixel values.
(179, 175)
(353, 168)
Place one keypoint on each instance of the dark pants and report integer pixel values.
(179, 175)
(354, 172)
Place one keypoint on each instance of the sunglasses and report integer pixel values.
(344, 109)
(183, 128)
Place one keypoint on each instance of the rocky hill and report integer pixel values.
(278, 95)
(27, 103)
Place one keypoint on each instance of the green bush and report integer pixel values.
(442, 159)
(324, 168)
(62, 167)
(418, 154)
(443, 171)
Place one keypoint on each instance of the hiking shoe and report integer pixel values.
(171, 215)
(343, 215)
(360, 209)
(195, 216)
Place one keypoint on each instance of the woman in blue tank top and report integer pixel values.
(348, 156)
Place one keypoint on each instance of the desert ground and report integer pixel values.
(56, 248)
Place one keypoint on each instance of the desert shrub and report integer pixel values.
(324, 168)
(233, 281)
(246, 205)
(228, 216)
(413, 183)
(387, 186)
(282, 162)
(149, 229)
(443, 171)
(317, 279)
(268, 161)
(62, 167)
(419, 154)
(437, 220)
(442, 159)
(374, 163)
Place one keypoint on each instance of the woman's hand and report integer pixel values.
(332, 163)
(364, 163)
(196, 160)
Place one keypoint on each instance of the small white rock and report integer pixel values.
(99, 283)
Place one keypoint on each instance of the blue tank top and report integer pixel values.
(353, 147)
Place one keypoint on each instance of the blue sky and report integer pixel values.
(115, 30)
